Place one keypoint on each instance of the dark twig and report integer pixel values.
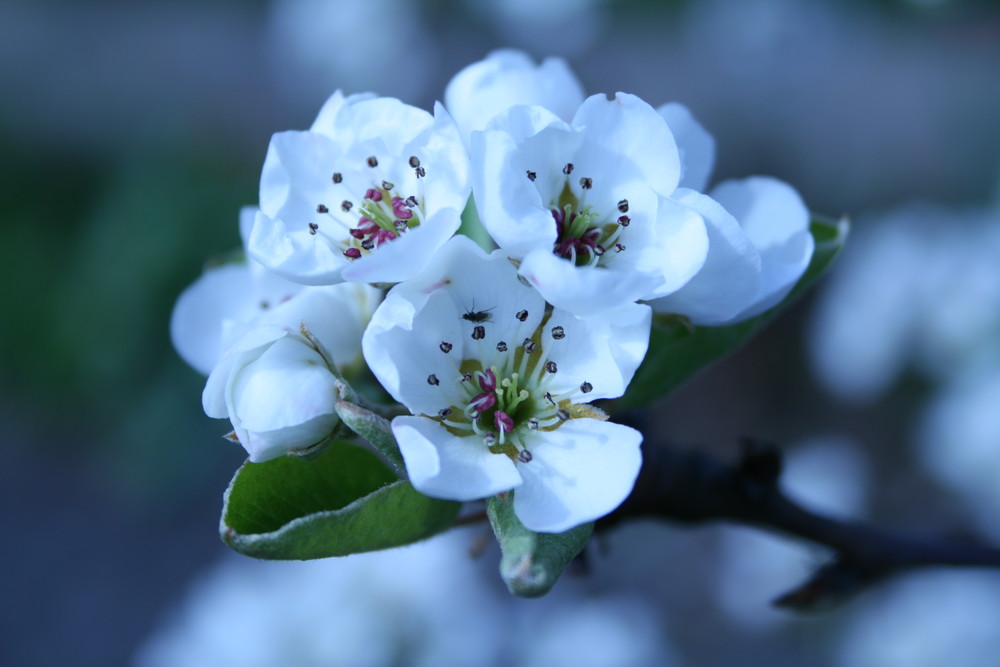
(692, 487)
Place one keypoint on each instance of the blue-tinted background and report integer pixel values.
(131, 133)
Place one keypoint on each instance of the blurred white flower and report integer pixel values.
(920, 287)
(926, 620)
(498, 385)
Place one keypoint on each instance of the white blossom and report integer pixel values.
(506, 78)
(227, 301)
(497, 381)
(367, 194)
(277, 387)
(585, 206)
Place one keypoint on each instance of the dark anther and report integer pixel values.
(598, 249)
(411, 201)
(568, 169)
(623, 206)
(433, 379)
(414, 162)
(338, 177)
(444, 412)
(346, 205)
(619, 247)
(550, 366)
(533, 424)
(386, 185)
(321, 208)
(562, 414)
(522, 315)
(312, 228)
(529, 345)
(586, 387)
(524, 456)
(623, 220)
(586, 183)
(479, 332)
(558, 333)
(501, 346)
(532, 175)
(445, 347)
(548, 397)
(352, 253)
(372, 161)
(420, 172)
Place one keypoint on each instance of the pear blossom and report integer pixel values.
(508, 77)
(367, 194)
(227, 301)
(277, 387)
(759, 247)
(586, 206)
(497, 383)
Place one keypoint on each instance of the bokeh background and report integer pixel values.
(131, 133)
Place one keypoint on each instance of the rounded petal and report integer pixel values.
(583, 290)
(730, 277)
(602, 351)
(674, 250)
(446, 466)
(196, 324)
(776, 220)
(507, 78)
(310, 259)
(579, 472)
(629, 141)
(249, 347)
(695, 144)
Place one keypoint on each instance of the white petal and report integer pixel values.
(288, 385)
(604, 351)
(267, 445)
(583, 290)
(777, 222)
(306, 258)
(213, 397)
(629, 142)
(579, 472)
(695, 144)
(730, 277)
(675, 247)
(507, 78)
(326, 120)
(196, 324)
(443, 465)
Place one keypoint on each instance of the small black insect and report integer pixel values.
(478, 316)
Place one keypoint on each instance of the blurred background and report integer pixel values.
(131, 133)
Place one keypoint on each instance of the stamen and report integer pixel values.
(624, 220)
(568, 169)
(386, 185)
(372, 161)
(346, 206)
(619, 247)
(586, 387)
(352, 253)
(524, 456)
(528, 345)
(433, 380)
(533, 424)
(445, 347)
(479, 332)
(532, 175)
(550, 366)
(420, 172)
(562, 414)
(522, 315)
(623, 206)
(501, 346)
(321, 208)
(338, 177)
(586, 183)
(444, 412)
(312, 228)
(558, 333)
(414, 161)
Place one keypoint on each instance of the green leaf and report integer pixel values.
(677, 350)
(345, 501)
(531, 562)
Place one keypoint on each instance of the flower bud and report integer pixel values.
(278, 389)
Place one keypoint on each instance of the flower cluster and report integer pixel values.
(589, 216)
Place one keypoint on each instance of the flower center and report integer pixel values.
(506, 402)
(385, 213)
(583, 235)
